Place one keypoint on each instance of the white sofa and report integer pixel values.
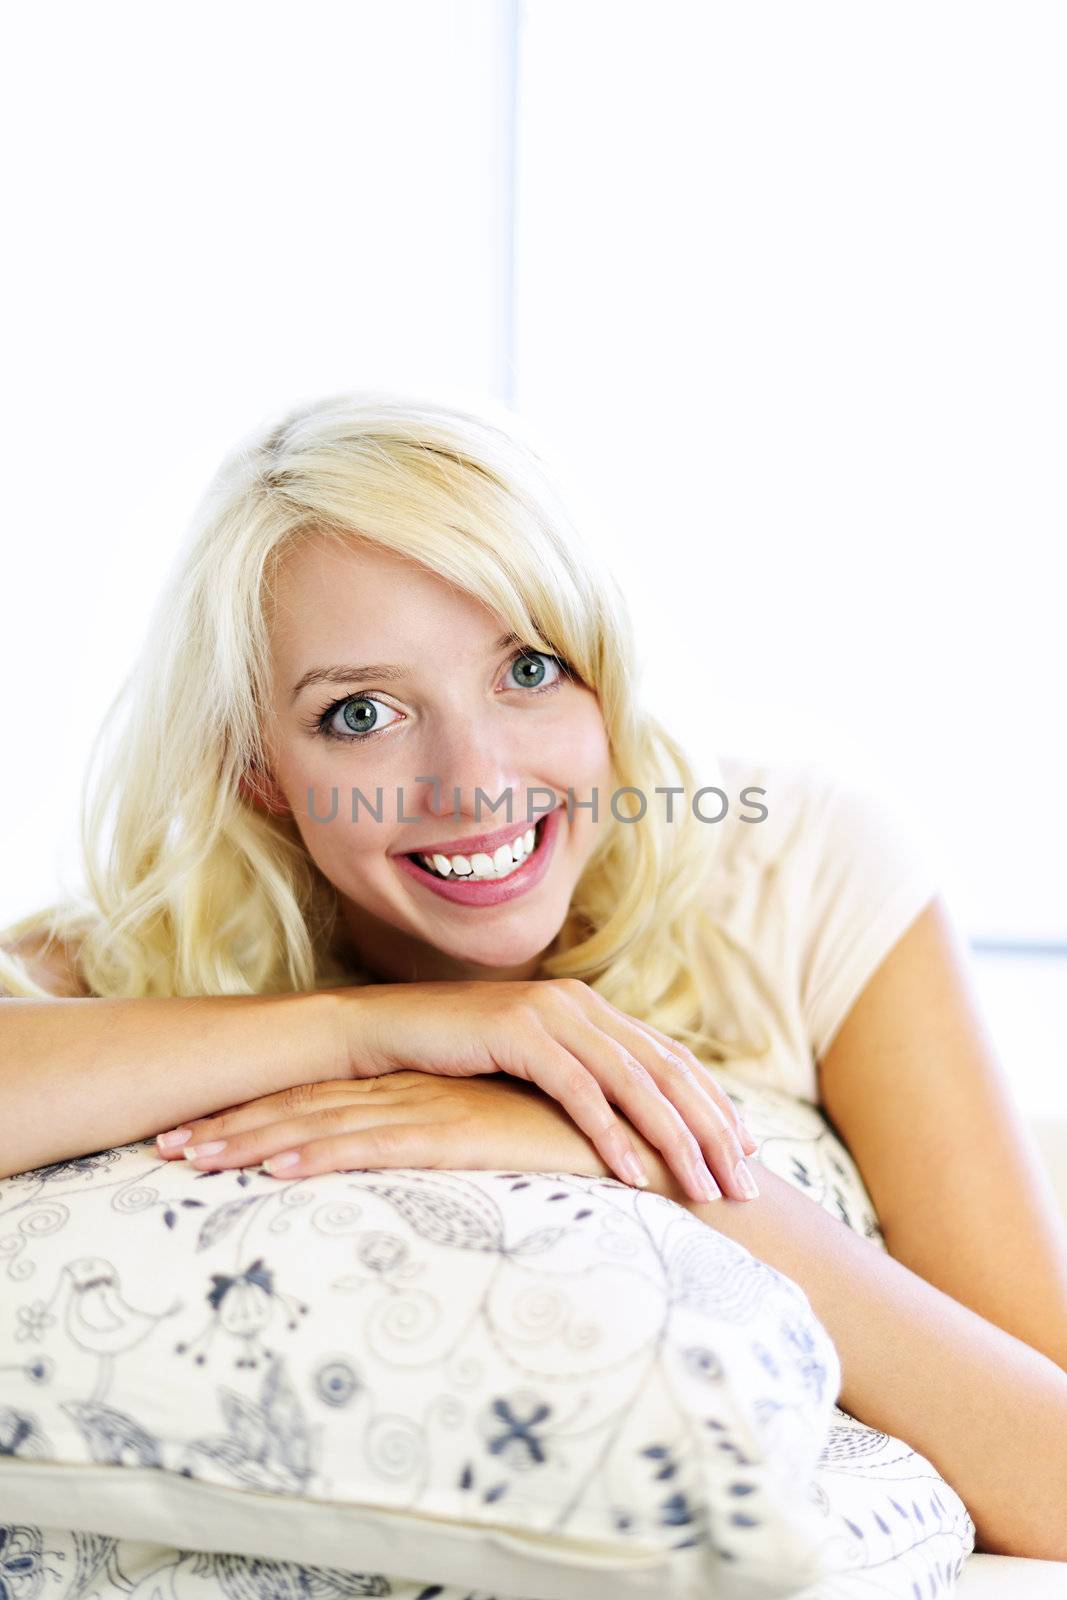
(1007, 1577)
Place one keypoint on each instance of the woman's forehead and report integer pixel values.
(369, 606)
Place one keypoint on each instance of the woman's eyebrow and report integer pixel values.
(346, 674)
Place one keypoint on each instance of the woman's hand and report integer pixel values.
(405, 1119)
(559, 1034)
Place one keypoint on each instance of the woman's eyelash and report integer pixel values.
(321, 721)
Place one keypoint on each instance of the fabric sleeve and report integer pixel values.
(871, 873)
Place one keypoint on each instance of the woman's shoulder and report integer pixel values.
(50, 962)
(775, 805)
(815, 893)
(807, 805)
(825, 838)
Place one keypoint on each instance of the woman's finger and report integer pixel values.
(565, 1076)
(699, 1102)
(629, 1072)
(705, 1075)
(237, 1119)
(248, 1146)
(393, 1145)
(172, 1142)
(299, 1100)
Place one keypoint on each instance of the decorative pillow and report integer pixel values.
(375, 1382)
(890, 1517)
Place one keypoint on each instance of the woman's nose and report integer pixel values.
(485, 800)
(473, 778)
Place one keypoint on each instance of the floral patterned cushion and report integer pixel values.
(396, 1382)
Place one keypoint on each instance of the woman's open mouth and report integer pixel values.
(481, 880)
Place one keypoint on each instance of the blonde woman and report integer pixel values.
(380, 872)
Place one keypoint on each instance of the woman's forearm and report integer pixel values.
(78, 1075)
(988, 1411)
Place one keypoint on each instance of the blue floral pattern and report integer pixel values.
(583, 1375)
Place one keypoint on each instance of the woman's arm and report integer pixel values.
(83, 1074)
(913, 1085)
(79, 1075)
(988, 1411)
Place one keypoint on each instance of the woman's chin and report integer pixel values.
(442, 938)
(502, 958)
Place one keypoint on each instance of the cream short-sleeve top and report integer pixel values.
(817, 894)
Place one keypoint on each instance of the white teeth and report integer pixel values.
(504, 860)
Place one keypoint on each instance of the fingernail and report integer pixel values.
(634, 1171)
(171, 1141)
(193, 1152)
(704, 1181)
(747, 1138)
(745, 1181)
(288, 1158)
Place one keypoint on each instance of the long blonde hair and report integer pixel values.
(191, 890)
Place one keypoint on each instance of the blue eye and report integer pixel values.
(360, 714)
(530, 661)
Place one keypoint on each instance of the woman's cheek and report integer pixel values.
(322, 805)
(579, 753)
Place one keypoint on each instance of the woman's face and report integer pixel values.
(462, 707)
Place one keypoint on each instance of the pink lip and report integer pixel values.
(491, 891)
(484, 842)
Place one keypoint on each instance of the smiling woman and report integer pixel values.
(248, 957)
(430, 543)
(465, 713)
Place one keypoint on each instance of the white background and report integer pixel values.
(212, 212)
(781, 285)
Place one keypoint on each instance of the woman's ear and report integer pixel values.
(263, 793)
